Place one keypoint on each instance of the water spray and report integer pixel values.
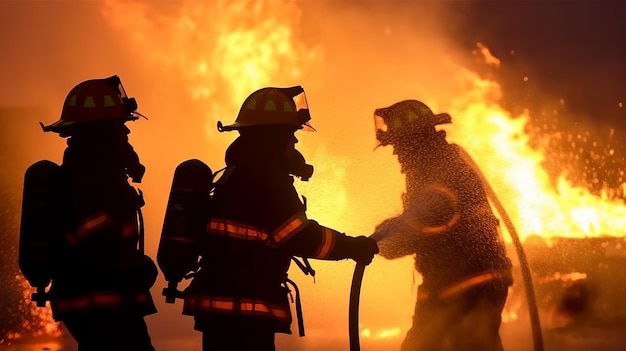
(359, 270)
(533, 311)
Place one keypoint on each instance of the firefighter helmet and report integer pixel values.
(273, 106)
(94, 100)
(406, 118)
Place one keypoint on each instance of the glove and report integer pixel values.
(364, 249)
(384, 229)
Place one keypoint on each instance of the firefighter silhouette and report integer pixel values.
(449, 227)
(81, 227)
(257, 226)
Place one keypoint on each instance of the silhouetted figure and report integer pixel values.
(92, 236)
(240, 295)
(447, 223)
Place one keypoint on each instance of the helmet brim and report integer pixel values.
(237, 126)
(61, 126)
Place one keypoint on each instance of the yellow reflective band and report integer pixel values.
(216, 304)
(425, 111)
(326, 245)
(287, 107)
(411, 116)
(251, 105)
(270, 106)
(256, 307)
(236, 230)
(249, 307)
(72, 101)
(89, 102)
(292, 226)
(108, 101)
(95, 300)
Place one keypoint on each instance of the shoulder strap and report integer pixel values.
(305, 266)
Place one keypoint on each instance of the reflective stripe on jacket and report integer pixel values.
(462, 286)
(229, 305)
(100, 300)
(278, 237)
(93, 224)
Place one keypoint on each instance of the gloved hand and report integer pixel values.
(364, 249)
(384, 229)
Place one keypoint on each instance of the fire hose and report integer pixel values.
(357, 278)
(533, 311)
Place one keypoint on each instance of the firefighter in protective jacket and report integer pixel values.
(448, 224)
(100, 277)
(239, 296)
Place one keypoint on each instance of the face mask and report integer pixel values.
(298, 167)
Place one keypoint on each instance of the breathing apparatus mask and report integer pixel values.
(298, 167)
(104, 144)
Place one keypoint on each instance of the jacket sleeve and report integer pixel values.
(395, 238)
(307, 238)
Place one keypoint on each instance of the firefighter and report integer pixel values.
(449, 227)
(101, 278)
(240, 295)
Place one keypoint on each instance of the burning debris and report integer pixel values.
(578, 281)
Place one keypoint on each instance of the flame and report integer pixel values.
(537, 204)
(39, 321)
(221, 51)
(381, 333)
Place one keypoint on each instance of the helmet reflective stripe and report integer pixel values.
(287, 107)
(72, 100)
(92, 101)
(108, 101)
(397, 123)
(273, 106)
(270, 106)
(89, 102)
(251, 105)
(405, 118)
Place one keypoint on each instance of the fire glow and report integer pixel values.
(218, 44)
(221, 51)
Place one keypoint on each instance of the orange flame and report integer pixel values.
(223, 50)
(39, 321)
(502, 149)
